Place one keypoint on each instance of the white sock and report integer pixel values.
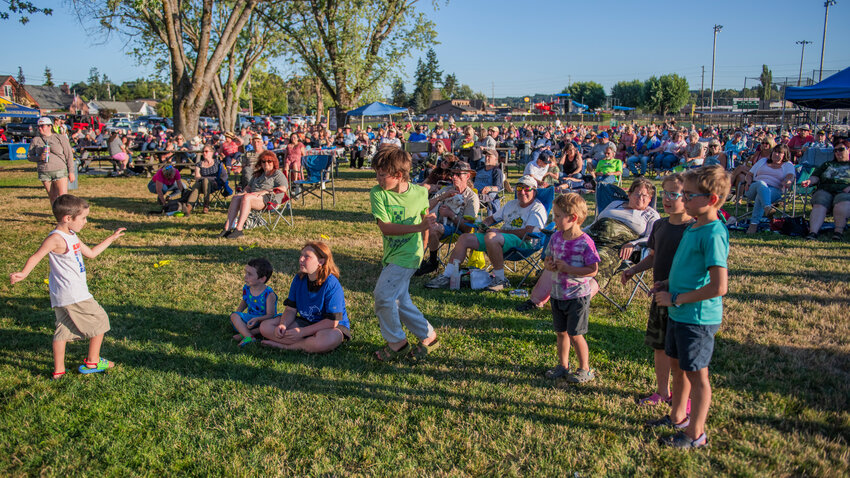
(500, 274)
(450, 269)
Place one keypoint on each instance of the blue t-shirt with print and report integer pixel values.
(701, 248)
(318, 304)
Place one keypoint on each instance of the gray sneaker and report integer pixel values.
(439, 282)
(581, 376)
(497, 284)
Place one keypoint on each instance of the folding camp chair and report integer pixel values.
(637, 280)
(530, 253)
(271, 214)
(318, 172)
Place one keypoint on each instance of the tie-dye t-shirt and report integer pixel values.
(578, 252)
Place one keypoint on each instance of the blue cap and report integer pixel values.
(603, 134)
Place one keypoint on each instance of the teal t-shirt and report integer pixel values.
(405, 208)
(701, 247)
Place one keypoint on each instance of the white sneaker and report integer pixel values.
(497, 284)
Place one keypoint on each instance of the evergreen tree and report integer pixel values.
(450, 86)
(399, 97)
(766, 86)
(48, 77)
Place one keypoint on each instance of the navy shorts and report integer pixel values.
(691, 344)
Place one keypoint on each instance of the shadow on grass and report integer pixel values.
(157, 339)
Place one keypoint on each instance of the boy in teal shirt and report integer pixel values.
(401, 211)
(693, 297)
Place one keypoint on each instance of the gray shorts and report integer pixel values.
(571, 315)
(692, 345)
(828, 200)
(48, 176)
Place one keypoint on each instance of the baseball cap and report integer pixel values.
(805, 127)
(603, 134)
(527, 180)
(489, 152)
(45, 120)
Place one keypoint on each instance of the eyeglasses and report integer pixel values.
(671, 195)
(690, 196)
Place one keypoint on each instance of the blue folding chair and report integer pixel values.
(318, 172)
(534, 243)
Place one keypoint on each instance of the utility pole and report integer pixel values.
(717, 29)
(701, 86)
(803, 52)
(569, 81)
(826, 4)
(493, 93)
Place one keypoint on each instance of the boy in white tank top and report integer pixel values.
(78, 315)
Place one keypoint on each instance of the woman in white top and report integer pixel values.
(671, 151)
(768, 179)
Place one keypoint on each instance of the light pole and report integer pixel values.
(804, 43)
(717, 28)
(826, 4)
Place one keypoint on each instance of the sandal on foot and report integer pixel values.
(101, 366)
(666, 421)
(653, 399)
(683, 441)
(387, 354)
(421, 350)
(581, 376)
(247, 341)
(558, 372)
(57, 376)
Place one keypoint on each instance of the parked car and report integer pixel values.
(78, 122)
(207, 122)
(26, 128)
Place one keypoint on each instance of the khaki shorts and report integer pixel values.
(48, 176)
(82, 320)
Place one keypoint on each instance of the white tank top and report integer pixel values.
(67, 279)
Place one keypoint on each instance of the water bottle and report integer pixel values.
(454, 280)
(46, 152)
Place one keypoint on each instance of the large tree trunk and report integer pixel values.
(320, 100)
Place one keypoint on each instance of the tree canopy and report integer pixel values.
(590, 93)
(352, 46)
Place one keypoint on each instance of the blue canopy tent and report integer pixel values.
(11, 109)
(831, 93)
(623, 108)
(376, 109)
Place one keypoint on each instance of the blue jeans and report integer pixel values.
(606, 179)
(762, 196)
(667, 161)
(632, 162)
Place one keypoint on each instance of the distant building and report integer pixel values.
(57, 99)
(124, 108)
(457, 108)
(11, 90)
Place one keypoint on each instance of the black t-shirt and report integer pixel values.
(664, 240)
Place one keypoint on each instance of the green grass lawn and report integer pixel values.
(184, 400)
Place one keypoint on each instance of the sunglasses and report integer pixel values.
(523, 188)
(840, 150)
(458, 173)
(691, 196)
(267, 161)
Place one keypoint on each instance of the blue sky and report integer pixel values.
(519, 48)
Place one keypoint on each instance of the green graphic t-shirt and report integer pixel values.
(405, 208)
